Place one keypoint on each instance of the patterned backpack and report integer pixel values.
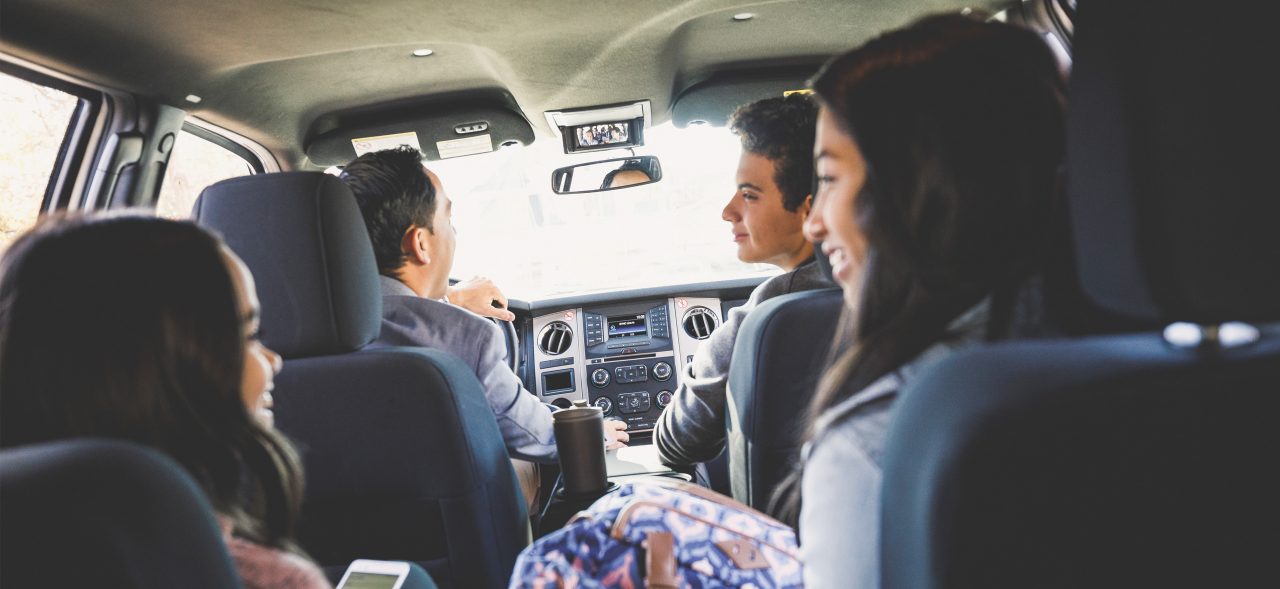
(663, 535)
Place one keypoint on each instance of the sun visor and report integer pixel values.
(443, 127)
(712, 100)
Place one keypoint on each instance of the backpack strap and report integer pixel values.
(660, 561)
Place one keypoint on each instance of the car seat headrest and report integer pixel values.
(302, 236)
(1171, 189)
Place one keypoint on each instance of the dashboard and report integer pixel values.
(625, 354)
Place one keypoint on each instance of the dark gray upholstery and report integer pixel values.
(1170, 142)
(313, 265)
(404, 462)
(1122, 461)
(403, 457)
(101, 513)
(777, 358)
(1108, 462)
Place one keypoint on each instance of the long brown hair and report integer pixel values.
(127, 327)
(960, 124)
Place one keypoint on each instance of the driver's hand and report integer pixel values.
(480, 296)
(614, 436)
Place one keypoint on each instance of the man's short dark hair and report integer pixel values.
(627, 166)
(781, 129)
(394, 193)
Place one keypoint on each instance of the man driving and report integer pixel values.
(409, 219)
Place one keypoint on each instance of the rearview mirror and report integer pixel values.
(606, 175)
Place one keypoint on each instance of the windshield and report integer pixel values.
(536, 244)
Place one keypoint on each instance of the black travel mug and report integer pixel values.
(580, 442)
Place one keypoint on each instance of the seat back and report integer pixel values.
(1105, 462)
(102, 513)
(777, 359)
(1128, 460)
(403, 457)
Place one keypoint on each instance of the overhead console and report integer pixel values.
(596, 128)
(441, 127)
(625, 358)
(711, 100)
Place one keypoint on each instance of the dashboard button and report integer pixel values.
(664, 398)
(662, 371)
(600, 377)
(605, 405)
(629, 403)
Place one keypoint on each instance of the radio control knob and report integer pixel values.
(662, 371)
(605, 404)
(664, 398)
(600, 377)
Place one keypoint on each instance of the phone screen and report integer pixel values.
(368, 581)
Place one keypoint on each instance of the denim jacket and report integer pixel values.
(840, 510)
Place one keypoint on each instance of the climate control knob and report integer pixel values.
(605, 404)
(662, 371)
(600, 377)
(664, 398)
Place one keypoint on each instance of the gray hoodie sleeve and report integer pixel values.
(691, 429)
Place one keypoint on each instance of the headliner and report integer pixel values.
(268, 69)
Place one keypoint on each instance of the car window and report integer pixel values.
(535, 244)
(195, 164)
(35, 123)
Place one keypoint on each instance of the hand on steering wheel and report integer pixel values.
(513, 344)
(480, 296)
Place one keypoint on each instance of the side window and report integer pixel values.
(195, 164)
(35, 124)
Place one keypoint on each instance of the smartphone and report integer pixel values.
(374, 574)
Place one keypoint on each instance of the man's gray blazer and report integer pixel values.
(410, 320)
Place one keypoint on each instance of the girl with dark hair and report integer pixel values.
(937, 154)
(145, 330)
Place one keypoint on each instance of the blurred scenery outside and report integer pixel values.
(35, 121)
(194, 165)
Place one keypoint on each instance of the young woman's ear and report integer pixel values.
(806, 207)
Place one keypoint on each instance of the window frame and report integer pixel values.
(84, 129)
(203, 133)
(242, 148)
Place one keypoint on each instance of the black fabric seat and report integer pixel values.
(1140, 460)
(777, 358)
(102, 513)
(403, 457)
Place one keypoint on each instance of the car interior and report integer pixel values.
(585, 149)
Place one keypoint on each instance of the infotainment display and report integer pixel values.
(621, 326)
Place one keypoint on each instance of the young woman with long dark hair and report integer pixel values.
(937, 155)
(142, 329)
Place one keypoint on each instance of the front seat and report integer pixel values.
(403, 457)
(777, 359)
(1141, 460)
(106, 513)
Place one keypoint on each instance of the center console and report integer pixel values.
(625, 358)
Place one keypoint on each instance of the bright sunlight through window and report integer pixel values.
(537, 244)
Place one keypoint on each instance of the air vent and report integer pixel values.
(699, 322)
(555, 338)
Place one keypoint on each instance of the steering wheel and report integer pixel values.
(509, 337)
